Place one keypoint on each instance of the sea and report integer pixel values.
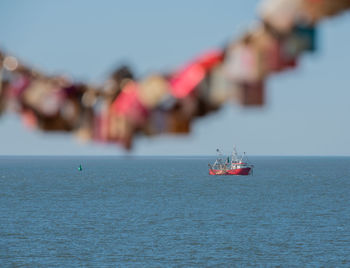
(168, 212)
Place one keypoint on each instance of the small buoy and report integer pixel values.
(80, 168)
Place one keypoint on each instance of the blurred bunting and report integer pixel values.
(123, 106)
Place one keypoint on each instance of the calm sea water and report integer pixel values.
(163, 211)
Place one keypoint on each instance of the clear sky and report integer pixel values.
(307, 110)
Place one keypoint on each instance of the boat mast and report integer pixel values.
(219, 161)
(234, 154)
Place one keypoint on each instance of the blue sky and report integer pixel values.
(307, 110)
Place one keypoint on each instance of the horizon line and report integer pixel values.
(159, 155)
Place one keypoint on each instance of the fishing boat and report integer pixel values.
(238, 165)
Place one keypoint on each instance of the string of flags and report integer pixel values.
(123, 107)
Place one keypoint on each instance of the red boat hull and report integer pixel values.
(238, 171)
